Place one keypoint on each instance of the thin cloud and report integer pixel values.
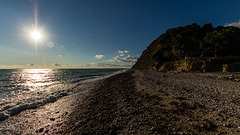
(99, 56)
(129, 59)
(110, 60)
(110, 65)
(60, 48)
(235, 24)
(120, 52)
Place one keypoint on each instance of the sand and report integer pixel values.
(138, 102)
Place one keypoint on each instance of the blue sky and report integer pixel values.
(97, 33)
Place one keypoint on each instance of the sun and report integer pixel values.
(36, 35)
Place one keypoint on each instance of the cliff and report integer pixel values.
(192, 48)
(145, 62)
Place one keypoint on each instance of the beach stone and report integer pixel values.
(3, 116)
(46, 131)
(229, 125)
(113, 130)
(132, 132)
(41, 130)
(52, 119)
(153, 129)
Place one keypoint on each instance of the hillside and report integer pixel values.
(203, 44)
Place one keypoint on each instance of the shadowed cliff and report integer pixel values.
(204, 44)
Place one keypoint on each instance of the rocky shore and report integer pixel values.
(143, 102)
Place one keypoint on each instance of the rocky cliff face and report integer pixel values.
(193, 65)
(192, 48)
(146, 61)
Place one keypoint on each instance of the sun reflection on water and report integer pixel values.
(34, 79)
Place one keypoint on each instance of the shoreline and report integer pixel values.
(139, 102)
(34, 99)
(52, 114)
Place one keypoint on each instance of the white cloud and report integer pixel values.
(59, 48)
(110, 60)
(120, 52)
(99, 56)
(60, 56)
(129, 59)
(236, 24)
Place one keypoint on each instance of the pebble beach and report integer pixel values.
(139, 102)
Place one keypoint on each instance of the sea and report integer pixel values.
(15, 81)
(22, 89)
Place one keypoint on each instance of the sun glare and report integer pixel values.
(36, 35)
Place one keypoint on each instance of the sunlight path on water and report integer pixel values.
(36, 78)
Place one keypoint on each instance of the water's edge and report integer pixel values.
(35, 99)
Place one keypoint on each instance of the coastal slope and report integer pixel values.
(192, 48)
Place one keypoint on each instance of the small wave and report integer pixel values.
(32, 100)
(83, 76)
